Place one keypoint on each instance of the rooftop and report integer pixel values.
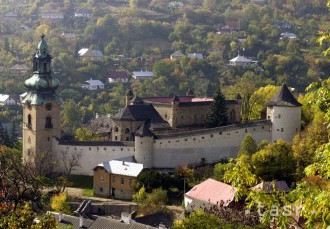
(212, 191)
(284, 98)
(122, 168)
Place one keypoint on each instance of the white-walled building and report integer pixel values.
(5, 100)
(240, 61)
(142, 75)
(93, 85)
(207, 194)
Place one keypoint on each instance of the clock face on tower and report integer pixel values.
(48, 106)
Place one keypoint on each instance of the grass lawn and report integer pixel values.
(88, 192)
(80, 181)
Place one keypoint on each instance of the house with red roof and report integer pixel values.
(208, 194)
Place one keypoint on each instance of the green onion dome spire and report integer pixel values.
(41, 84)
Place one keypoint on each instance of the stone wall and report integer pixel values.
(93, 153)
(209, 145)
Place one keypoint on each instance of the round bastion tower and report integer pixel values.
(144, 140)
(41, 107)
(284, 111)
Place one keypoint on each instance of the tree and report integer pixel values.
(239, 174)
(70, 116)
(248, 146)
(198, 220)
(59, 203)
(219, 171)
(217, 116)
(24, 217)
(150, 203)
(275, 162)
(6, 139)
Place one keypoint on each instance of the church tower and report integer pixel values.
(41, 107)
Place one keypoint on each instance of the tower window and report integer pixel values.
(49, 124)
(29, 123)
(45, 67)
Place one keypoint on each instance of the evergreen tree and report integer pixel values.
(217, 116)
(248, 146)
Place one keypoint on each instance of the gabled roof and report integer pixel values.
(177, 54)
(93, 52)
(195, 55)
(239, 58)
(122, 168)
(212, 191)
(268, 187)
(3, 98)
(19, 67)
(94, 82)
(143, 74)
(138, 112)
(118, 75)
(283, 98)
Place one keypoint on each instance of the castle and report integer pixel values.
(159, 132)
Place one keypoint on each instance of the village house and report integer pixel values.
(142, 75)
(287, 35)
(52, 16)
(5, 100)
(198, 56)
(115, 179)
(90, 54)
(86, 13)
(118, 76)
(93, 85)
(19, 69)
(177, 55)
(208, 194)
(240, 61)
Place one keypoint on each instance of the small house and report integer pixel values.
(115, 179)
(142, 75)
(240, 61)
(5, 100)
(93, 85)
(177, 55)
(90, 54)
(18, 69)
(83, 13)
(198, 56)
(208, 194)
(118, 76)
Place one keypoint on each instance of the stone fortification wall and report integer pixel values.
(209, 145)
(93, 153)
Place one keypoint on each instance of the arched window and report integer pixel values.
(49, 124)
(116, 129)
(29, 122)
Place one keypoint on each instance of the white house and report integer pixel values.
(18, 69)
(142, 75)
(209, 193)
(288, 35)
(83, 13)
(93, 85)
(90, 54)
(198, 56)
(5, 100)
(240, 61)
(52, 16)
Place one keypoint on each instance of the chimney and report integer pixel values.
(81, 221)
(97, 115)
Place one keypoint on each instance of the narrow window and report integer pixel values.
(45, 67)
(101, 189)
(49, 124)
(113, 179)
(29, 121)
(122, 181)
(101, 178)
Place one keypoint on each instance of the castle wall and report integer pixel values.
(208, 145)
(92, 153)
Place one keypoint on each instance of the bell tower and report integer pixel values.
(41, 107)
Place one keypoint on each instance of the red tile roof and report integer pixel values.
(118, 75)
(181, 98)
(212, 191)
